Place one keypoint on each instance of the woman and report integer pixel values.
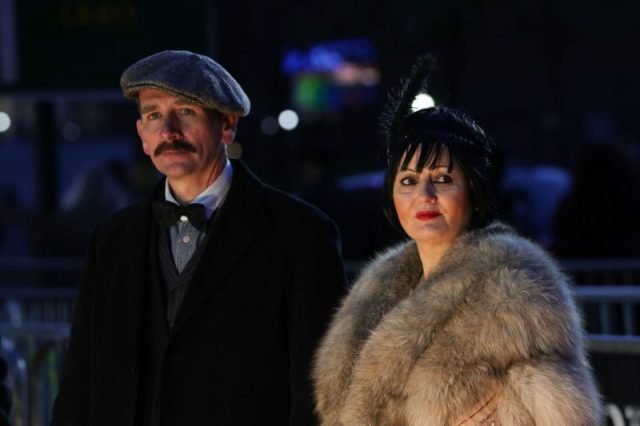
(465, 323)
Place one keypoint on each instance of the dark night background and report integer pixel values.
(554, 82)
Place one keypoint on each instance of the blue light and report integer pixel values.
(328, 56)
(294, 61)
(324, 59)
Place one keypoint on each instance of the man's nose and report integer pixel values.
(170, 127)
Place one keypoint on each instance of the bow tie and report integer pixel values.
(169, 214)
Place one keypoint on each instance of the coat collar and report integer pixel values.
(392, 313)
(133, 252)
(241, 219)
(394, 282)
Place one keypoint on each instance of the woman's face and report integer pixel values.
(433, 205)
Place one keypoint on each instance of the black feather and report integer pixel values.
(399, 102)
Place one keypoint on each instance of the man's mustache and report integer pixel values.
(175, 145)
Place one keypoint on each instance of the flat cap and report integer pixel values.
(189, 75)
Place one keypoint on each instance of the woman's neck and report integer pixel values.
(430, 255)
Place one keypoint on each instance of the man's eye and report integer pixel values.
(443, 179)
(153, 116)
(186, 111)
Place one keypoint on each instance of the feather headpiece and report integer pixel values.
(399, 102)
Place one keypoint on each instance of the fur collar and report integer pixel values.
(392, 315)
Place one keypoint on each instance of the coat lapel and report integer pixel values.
(133, 253)
(241, 219)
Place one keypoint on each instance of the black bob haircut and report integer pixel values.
(434, 132)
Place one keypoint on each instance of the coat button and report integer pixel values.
(133, 370)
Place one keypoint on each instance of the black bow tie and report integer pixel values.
(169, 214)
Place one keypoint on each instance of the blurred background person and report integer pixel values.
(600, 217)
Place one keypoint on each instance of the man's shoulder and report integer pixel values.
(136, 209)
(292, 210)
(131, 215)
(279, 205)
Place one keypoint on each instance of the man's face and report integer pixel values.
(184, 140)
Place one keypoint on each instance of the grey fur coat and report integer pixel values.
(496, 315)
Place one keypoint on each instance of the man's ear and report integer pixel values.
(228, 128)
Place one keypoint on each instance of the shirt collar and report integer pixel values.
(212, 196)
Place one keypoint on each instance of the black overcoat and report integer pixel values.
(240, 350)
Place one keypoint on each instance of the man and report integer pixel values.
(208, 313)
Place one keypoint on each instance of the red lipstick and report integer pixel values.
(427, 214)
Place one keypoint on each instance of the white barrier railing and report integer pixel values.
(625, 298)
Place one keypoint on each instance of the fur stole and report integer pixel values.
(495, 315)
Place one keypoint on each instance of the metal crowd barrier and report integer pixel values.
(36, 306)
(34, 325)
(623, 271)
(615, 349)
(608, 297)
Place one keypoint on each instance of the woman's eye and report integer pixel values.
(407, 181)
(443, 179)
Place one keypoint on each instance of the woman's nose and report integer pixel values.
(428, 192)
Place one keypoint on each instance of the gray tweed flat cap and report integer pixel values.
(189, 75)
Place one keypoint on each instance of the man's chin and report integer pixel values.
(176, 170)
